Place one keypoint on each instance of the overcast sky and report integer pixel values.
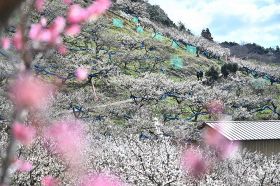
(255, 21)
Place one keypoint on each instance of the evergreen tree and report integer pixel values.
(212, 73)
(181, 26)
(207, 34)
(224, 70)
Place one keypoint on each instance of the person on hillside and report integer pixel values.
(199, 75)
(272, 80)
(143, 44)
(206, 53)
(197, 52)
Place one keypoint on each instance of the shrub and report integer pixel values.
(229, 68)
(233, 67)
(224, 70)
(212, 73)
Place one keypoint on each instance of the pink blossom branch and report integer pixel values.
(19, 115)
(27, 91)
(11, 150)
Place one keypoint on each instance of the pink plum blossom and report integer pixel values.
(81, 73)
(45, 36)
(56, 38)
(58, 25)
(29, 91)
(73, 30)
(48, 35)
(98, 7)
(18, 40)
(23, 166)
(39, 5)
(76, 14)
(44, 21)
(5, 42)
(229, 150)
(68, 139)
(223, 147)
(194, 163)
(62, 49)
(56, 29)
(101, 180)
(35, 31)
(68, 2)
(24, 134)
(215, 107)
(49, 181)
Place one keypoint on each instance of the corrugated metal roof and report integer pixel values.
(247, 130)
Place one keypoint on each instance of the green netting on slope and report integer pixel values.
(158, 36)
(118, 23)
(177, 62)
(191, 49)
(254, 74)
(266, 77)
(135, 20)
(174, 44)
(259, 83)
(140, 29)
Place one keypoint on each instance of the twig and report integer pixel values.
(94, 90)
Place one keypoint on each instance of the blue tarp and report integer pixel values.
(174, 44)
(118, 23)
(135, 20)
(177, 62)
(158, 36)
(191, 49)
(140, 29)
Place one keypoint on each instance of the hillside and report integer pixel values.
(254, 52)
(120, 58)
(140, 70)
